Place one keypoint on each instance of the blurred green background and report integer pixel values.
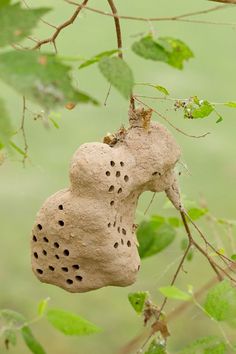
(211, 162)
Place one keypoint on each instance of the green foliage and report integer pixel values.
(165, 49)
(17, 23)
(197, 213)
(156, 348)
(221, 302)
(118, 74)
(98, 57)
(31, 342)
(5, 126)
(42, 306)
(41, 78)
(183, 245)
(148, 48)
(154, 236)
(137, 300)
(172, 292)
(178, 51)
(205, 345)
(70, 324)
(230, 104)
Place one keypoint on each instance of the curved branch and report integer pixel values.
(67, 23)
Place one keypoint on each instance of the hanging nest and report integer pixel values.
(84, 236)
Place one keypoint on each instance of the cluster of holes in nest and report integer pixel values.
(118, 174)
(66, 270)
(122, 231)
(66, 253)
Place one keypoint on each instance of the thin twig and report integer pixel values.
(22, 128)
(41, 19)
(150, 203)
(153, 19)
(67, 23)
(167, 120)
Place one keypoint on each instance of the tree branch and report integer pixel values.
(182, 18)
(67, 23)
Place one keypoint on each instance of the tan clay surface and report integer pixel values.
(84, 236)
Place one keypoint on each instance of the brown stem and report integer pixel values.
(119, 39)
(22, 128)
(150, 19)
(67, 23)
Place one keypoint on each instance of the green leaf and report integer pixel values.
(178, 51)
(154, 236)
(70, 324)
(221, 302)
(233, 257)
(197, 213)
(17, 23)
(203, 111)
(42, 306)
(171, 292)
(6, 131)
(10, 336)
(118, 74)
(230, 104)
(169, 50)
(40, 77)
(137, 300)
(175, 222)
(156, 348)
(162, 89)
(148, 48)
(205, 345)
(31, 342)
(98, 57)
(4, 3)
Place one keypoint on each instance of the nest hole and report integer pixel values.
(119, 190)
(69, 281)
(126, 178)
(116, 245)
(122, 164)
(57, 257)
(44, 252)
(129, 243)
(61, 223)
(109, 224)
(123, 231)
(51, 268)
(65, 269)
(56, 244)
(40, 271)
(66, 253)
(114, 223)
(112, 203)
(36, 255)
(112, 163)
(34, 238)
(79, 278)
(111, 189)
(45, 239)
(122, 241)
(39, 226)
(60, 207)
(75, 266)
(118, 174)
(108, 173)
(118, 229)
